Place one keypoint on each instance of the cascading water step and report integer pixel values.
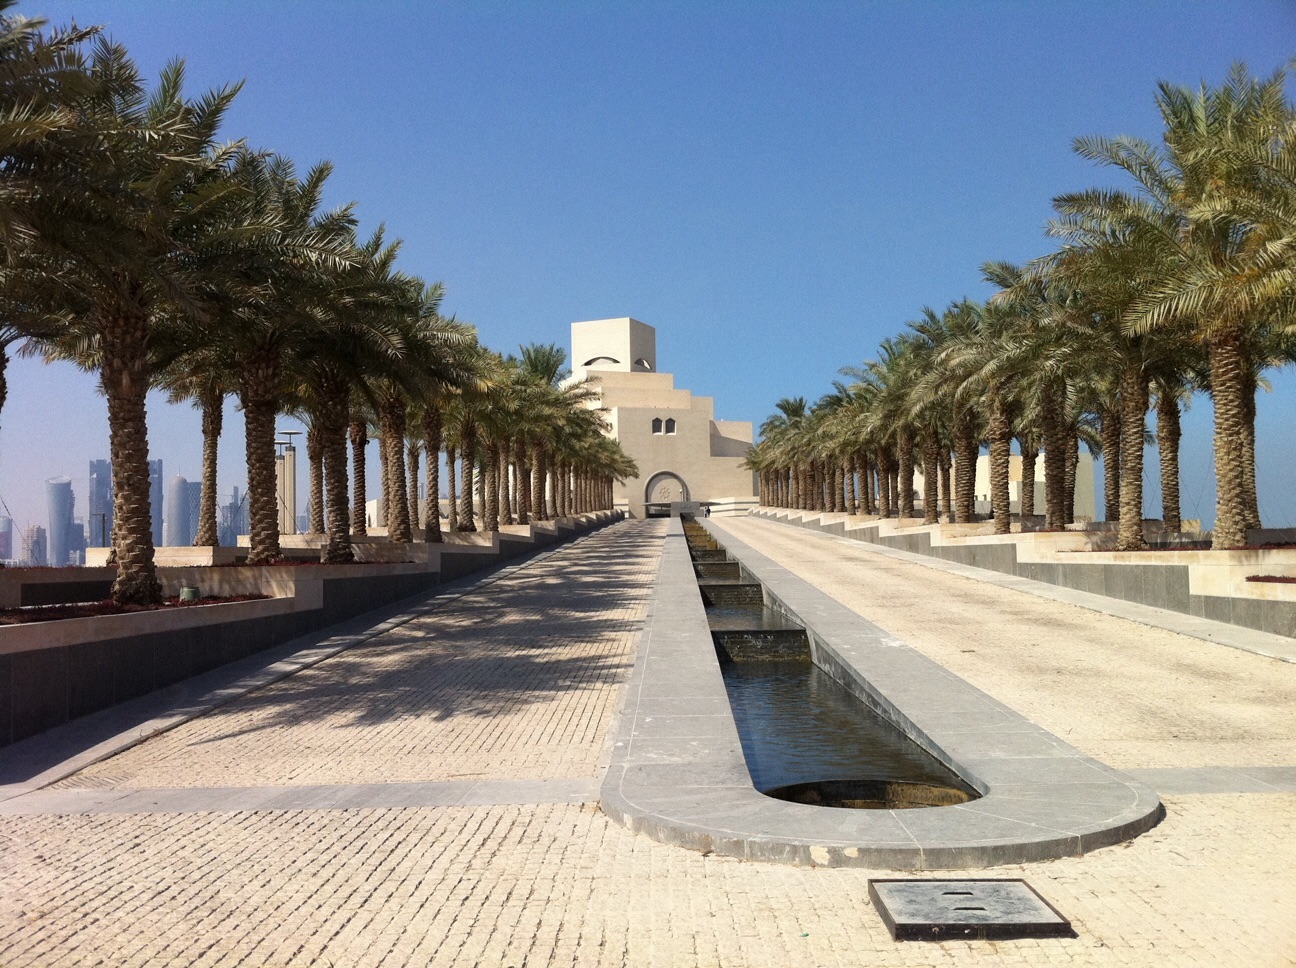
(719, 591)
(717, 569)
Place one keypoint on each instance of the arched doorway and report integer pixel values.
(665, 487)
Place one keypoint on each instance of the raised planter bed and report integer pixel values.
(51, 672)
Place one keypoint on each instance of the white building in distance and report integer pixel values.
(685, 455)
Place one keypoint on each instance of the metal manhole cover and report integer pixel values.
(956, 910)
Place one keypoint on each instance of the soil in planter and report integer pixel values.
(1278, 579)
(52, 613)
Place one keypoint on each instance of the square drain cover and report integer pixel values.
(957, 910)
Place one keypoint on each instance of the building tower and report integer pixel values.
(33, 546)
(6, 539)
(178, 531)
(58, 494)
(99, 521)
(155, 499)
(193, 503)
(286, 484)
(687, 459)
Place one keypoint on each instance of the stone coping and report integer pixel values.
(1221, 573)
(291, 588)
(678, 775)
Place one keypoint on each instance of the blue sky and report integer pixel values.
(776, 187)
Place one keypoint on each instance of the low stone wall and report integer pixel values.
(52, 672)
(1205, 584)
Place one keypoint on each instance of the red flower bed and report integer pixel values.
(50, 613)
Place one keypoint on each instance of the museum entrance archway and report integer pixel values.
(664, 489)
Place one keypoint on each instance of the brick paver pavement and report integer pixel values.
(517, 682)
(550, 883)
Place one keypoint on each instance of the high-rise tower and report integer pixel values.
(99, 519)
(178, 530)
(155, 499)
(58, 492)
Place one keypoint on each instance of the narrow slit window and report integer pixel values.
(657, 425)
(670, 425)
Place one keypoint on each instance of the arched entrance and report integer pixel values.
(665, 487)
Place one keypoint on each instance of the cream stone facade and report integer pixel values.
(684, 454)
(1084, 489)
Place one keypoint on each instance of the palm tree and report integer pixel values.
(292, 286)
(116, 247)
(1189, 209)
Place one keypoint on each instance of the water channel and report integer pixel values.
(806, 738)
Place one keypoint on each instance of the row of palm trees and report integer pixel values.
(150, 253)
(1183, 283)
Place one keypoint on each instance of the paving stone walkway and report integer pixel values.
(440, 813)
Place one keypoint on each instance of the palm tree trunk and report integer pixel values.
(1000, 456)
(523, 475)
(931, 475)
(315, 469)
(1168, 434)
(1072, 463)
(885, 494)
(1134, 404)
(491, 510)
(213, 407)
(1054, 458)
(359, 500)
(947, 505)
(382, 512)
(905, 472)
(392, 415)
(479, 480)
(507, 482)
(263, 504)
(1249, 492)
(124, 377)
(452, 504)
(333, 417)
(468, 450)
(965, 459)
(1029, 456)
(1109, 432)
(538, 510)
(432, 446)
(1228, 389)
(412, 456)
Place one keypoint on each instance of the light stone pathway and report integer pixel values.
(1132, 696)
(518, 682)
(499, 880)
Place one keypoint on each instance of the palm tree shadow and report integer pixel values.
(554, 626)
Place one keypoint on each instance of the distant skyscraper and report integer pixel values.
(58, 492)
(155, 499)
(33, 546)
(234, 519)
(193, 501)
(178, 532)
(77, 543)
(6, 539)
(99, 520)
(286, 487)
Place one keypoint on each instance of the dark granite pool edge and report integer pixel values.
(677, 772)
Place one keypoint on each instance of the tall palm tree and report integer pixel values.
(1183, 206)
(120, 262)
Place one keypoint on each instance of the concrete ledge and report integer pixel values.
(678, 773)
(1205, 584)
